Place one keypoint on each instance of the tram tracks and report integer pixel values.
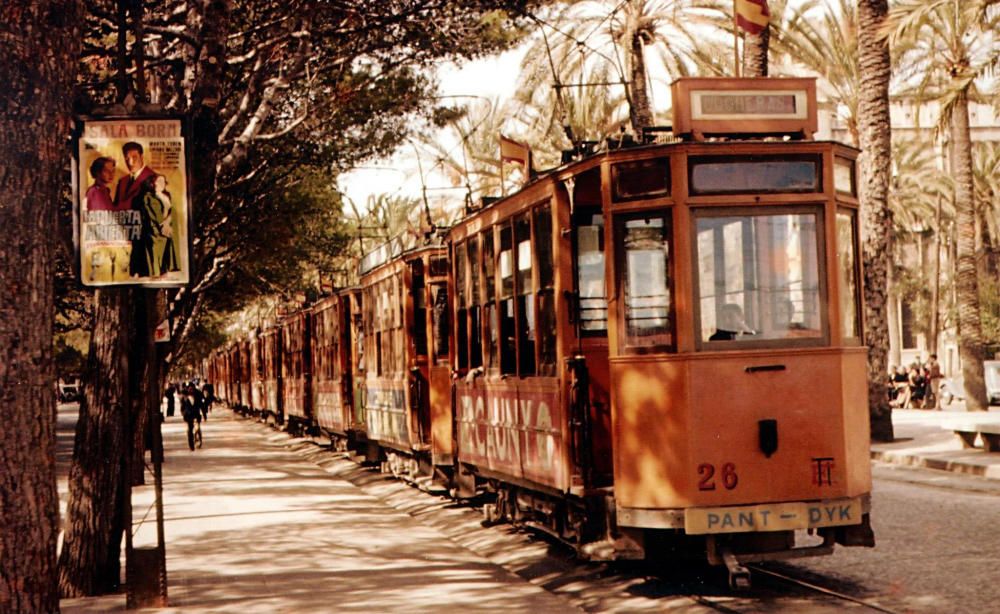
(784, 578)
(592, 588)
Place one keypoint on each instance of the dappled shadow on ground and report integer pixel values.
(250, 527)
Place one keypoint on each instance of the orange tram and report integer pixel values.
(649, 351)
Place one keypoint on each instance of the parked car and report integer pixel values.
(991, 369)
(953, 389)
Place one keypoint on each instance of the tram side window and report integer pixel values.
(508, 345)
(592, 307)
(475, 324)
(526, 329)
(461, 309)
(758, 276)
(492, 354)
(332, 331)
(646, 284)
(440, 293)
(847, 273)
(641, 179)
(377, 329)
(546, 292)
(398, 338)
(419, 307)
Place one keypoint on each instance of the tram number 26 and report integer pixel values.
(727, 475)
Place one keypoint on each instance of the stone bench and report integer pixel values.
(968, 427)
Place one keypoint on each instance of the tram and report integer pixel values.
(296, 371)
(649, 351)
(331, 385)
(406, 370)
(664, 341)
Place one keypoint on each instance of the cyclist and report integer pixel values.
(192, 415)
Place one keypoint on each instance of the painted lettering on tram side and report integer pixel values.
(385, 413)
(822, 471)
(329, 404)
(509, 432)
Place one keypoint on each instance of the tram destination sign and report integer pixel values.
(710, 107)
(739, 104)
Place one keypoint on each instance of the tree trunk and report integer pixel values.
(89, 562)
(895, 355)
(932, 341)
(39, 51)
(876, 217)
(970, 335)
(144, 379)
(755, 47)
(641, 112)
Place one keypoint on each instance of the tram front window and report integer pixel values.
(758, 278)
(647, 288)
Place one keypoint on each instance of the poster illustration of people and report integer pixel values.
(133, 203)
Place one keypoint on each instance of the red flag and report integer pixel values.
(752, 15)
(519, 153)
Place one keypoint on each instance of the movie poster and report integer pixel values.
(133, 203)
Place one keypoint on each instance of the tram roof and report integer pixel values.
(575, 167)
(392, 249)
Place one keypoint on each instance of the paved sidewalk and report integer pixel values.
(252, 526)
(922, 442)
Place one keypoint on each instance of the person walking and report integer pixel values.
(208, 391)
(170, 393)
(192, 416)
(934, 377)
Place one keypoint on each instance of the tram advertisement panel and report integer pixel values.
(385, 409)
(328, 403)
(133, 205)
(513, 431)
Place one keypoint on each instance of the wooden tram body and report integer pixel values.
(332, 385)
(265, 374)
(651, 349)
(402, 378)
(722, 338)
(295, 370)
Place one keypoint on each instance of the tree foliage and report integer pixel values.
(280, 97)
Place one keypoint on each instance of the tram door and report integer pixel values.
(419, 376)
(591, 327)
(439, 358)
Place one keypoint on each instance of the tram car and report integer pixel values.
(332, 387)
(651, 350)
(660, 346)
(265, 375)
(405, 373)
(295, 371)
(242, 365)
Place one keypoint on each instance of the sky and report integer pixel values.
(491, 77)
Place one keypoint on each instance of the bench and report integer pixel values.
(968, 427)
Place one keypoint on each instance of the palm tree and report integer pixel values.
(822, 37)
(584, 35)
(986, 173)
(919, 191)
(876, 216)
(547, 118)
(937, 38)
(755, 51)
